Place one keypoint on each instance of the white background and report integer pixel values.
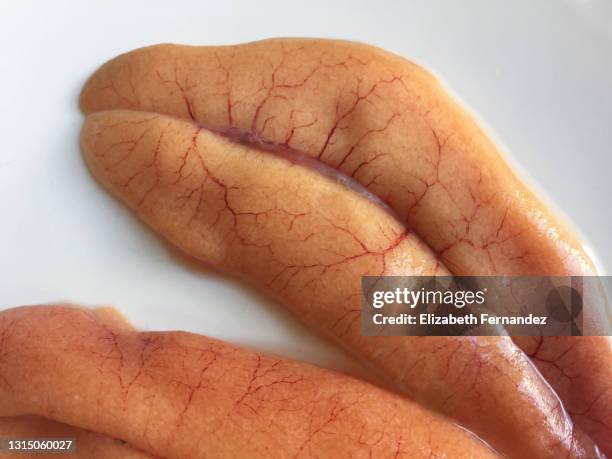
(539, 73)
